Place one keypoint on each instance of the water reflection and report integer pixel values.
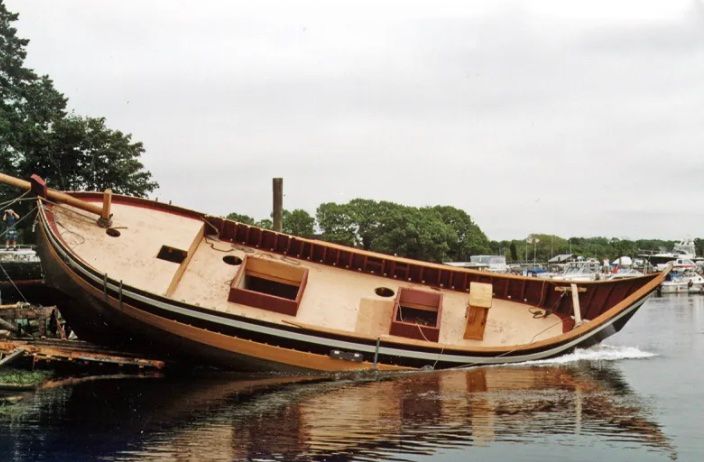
(379, 418)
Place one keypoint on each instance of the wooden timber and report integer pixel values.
(76, 353)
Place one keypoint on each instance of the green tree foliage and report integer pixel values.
(265, 223)
(337, 223)
(468, 239)
(38, 136)
(428, 233)
(441, 233)
(598, 247)
(513, 255)
(414, 233)
(83, 154)
(246, 219)
(298, 222)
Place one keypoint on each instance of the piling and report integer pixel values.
(277, 215)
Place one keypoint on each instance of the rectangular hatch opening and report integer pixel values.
(269, 285)
(172, 254)
(266, 286)
(417, 314)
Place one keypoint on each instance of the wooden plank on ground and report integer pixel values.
(11, 357)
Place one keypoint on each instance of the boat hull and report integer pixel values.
(103, 311)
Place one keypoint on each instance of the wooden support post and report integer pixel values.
(480, 300)
(277, 215)
(575, 305)
(105, 219)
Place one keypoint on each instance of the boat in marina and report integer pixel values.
(191, 287)
(493, 263)
(623, 267)
(684, 251)
(581, 270)
(624, 273)
(682, 282)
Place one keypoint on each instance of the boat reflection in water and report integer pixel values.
(395, 417)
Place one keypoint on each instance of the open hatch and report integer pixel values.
(417, 314)
(269, 284)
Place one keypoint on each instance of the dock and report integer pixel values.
(73, 353)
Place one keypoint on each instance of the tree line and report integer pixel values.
(438, 233)
(542, 247)
(441, 233)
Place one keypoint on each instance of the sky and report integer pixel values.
(567, 118)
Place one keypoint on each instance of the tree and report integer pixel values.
(337, 223)
(83, 154)
(414, 233)
(428, 233)
(265, 223)
(37, 135)
(298, 222)
(513, 251)
(246, 219)
(469, 239)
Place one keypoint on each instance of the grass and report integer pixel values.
(22, 378)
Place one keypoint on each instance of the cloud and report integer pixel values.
(539, 117)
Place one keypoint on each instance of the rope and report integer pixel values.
(7, 204)
(68, 231)
(217, 238)
(13, 283)
(66, 208)
(420, 329)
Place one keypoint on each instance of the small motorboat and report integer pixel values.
(581, 270)
(682, 282)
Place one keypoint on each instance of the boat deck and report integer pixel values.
(333, 298)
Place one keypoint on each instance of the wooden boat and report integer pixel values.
(167, 280)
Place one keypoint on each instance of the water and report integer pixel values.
(635, 398)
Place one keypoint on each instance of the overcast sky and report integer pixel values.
(578, 120)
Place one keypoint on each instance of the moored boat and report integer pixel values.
(581, 270)
(682, 282)
(206, 290)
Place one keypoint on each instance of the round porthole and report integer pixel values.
(112, 232)
(384, 292)
(232, 260)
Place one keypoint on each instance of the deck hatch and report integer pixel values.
(269, 284)
(417, 314)
(171, 254)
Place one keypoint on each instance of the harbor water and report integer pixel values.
(636, 397)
